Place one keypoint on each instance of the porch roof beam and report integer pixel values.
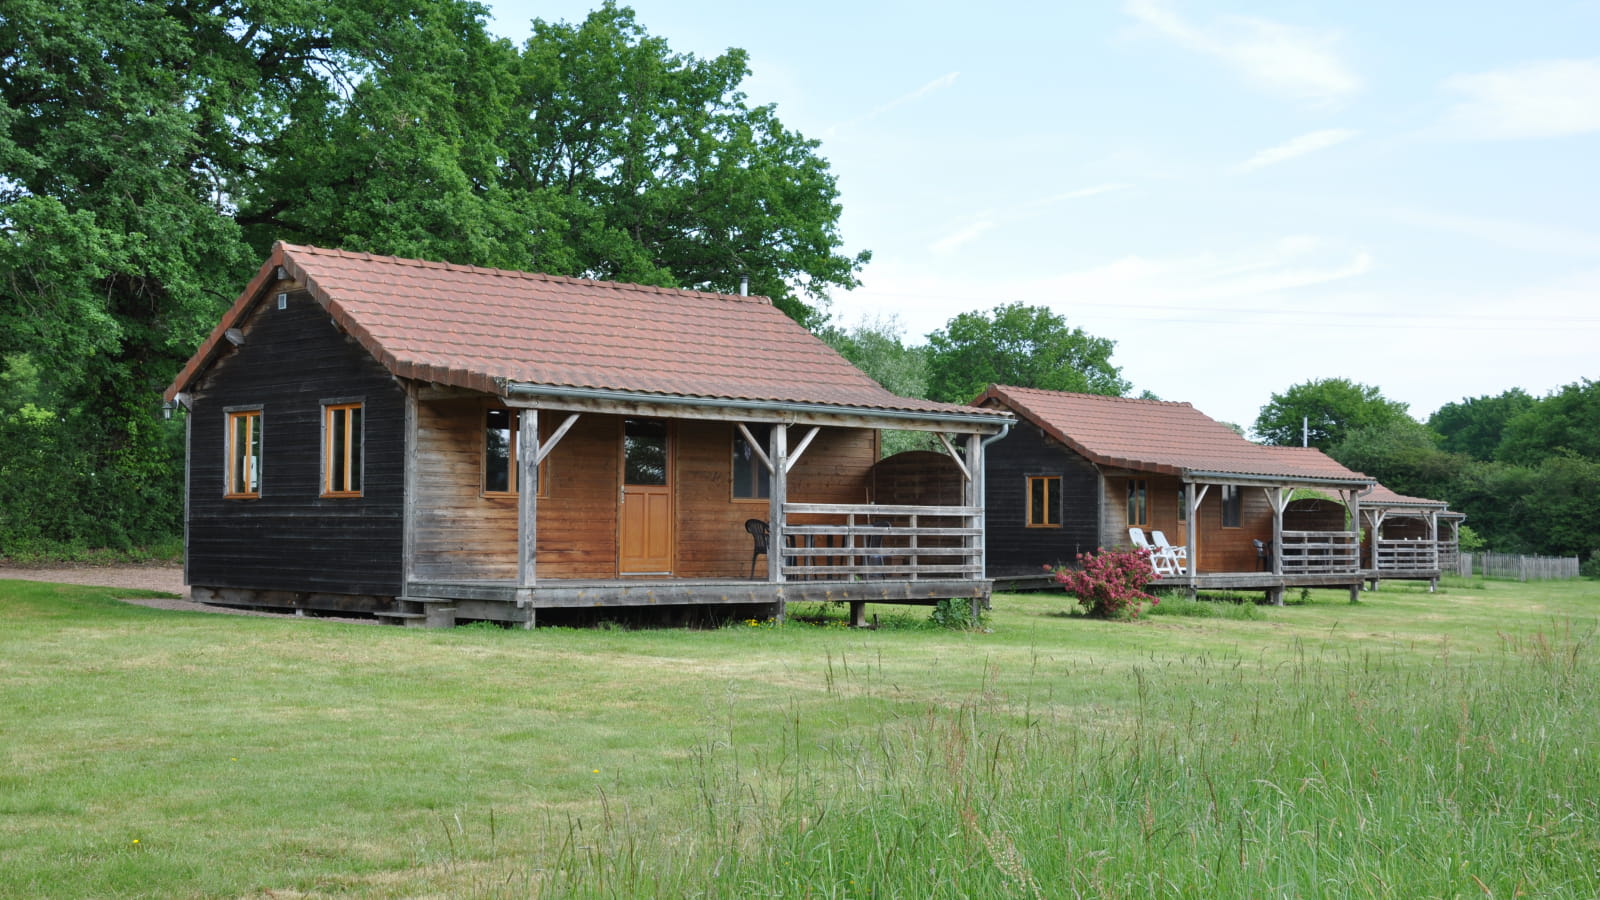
(1267, 481)
(574, 399)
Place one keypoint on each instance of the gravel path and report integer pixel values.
(167, 578)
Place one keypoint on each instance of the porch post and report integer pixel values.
(1275, 499)
(1191, 534)
(527, 496)
(974, 498)
(1355, 522)
(778, 452)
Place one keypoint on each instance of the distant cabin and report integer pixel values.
(1080, 471)
(432, 443)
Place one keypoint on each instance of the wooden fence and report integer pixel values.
(1522, 568)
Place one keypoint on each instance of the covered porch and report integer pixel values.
(736, 505)
(1409, 538)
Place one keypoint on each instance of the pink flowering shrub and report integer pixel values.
(1111, 583)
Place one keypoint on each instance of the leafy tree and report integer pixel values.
(658, 171)
(1024, 346)
(1476, 425)
(1566, 422)
(1403, 456)
(1332, 408)
(150, 151)
(874, 346)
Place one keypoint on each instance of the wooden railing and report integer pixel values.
(855, 542)
(1449, 555)
(1407, 555)
(1320, 552)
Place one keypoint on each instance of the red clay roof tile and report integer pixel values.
(473, 327)
(1160, 436)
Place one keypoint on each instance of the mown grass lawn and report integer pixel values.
(1411, 745)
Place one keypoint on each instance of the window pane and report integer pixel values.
(750, 478)
(353, 450)
(244, 453)
(336, 452)
(499, 449)
(1036, 501)
(253, 458)
(645, 452)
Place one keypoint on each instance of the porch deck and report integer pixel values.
(505, 601)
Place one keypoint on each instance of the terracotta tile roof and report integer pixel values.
(1162, 437)
(486, 329)
(1382, 496)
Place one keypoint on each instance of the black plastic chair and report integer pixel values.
(758, 531)
(1263, 555)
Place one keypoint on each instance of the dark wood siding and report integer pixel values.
(1014, 549)
(292, 361)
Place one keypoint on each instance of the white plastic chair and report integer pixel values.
(1159, 561)
(1177, 557)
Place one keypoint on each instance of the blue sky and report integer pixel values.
(1243, 196)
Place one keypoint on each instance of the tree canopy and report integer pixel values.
(1023, 346)
(1329, 408)
(152, 150)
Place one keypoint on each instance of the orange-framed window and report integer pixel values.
(341, 450)
(751, 480)
(1232, 506)
(501, 428)
(1138, 502)
(244, 454)
(1044, 501)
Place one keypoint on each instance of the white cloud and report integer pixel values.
(1300, 146)
(937, 84)
(1300, 63)
(1081, 193)
(1514, 235)
(1550, 98)
(955, 239)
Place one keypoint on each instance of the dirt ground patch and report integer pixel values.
(166, 578)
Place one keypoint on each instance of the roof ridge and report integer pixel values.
(1085, 394)
(520, 274)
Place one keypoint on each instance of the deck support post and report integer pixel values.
(778, 453)
(527, 496)
(858, 613)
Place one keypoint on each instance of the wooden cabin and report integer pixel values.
(430, 443)
(1408, 538)
(1079, 470)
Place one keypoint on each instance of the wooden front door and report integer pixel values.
(646, 542)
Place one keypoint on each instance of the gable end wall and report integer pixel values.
(291, 539)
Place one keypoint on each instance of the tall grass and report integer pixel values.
(1355, 775)
(1411, 745)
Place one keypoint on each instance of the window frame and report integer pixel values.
(762, 479)
(351, 462)
(1052, 501)
(253, 416)
(514, 425)
(1231, 498)
(1138, 492)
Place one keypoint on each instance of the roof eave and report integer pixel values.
(988, 421)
